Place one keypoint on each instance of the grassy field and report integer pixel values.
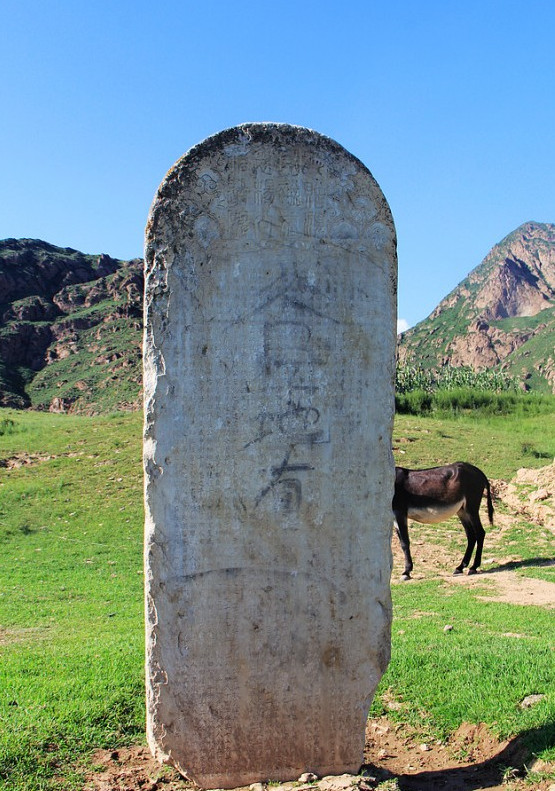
(71, 610)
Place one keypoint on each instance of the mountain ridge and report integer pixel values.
(71, 323)
(502, 315)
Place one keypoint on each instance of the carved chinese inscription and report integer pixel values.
(269, 357)
(295, 350)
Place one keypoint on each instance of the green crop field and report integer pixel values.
(71, 608)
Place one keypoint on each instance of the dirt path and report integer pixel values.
(505, 584)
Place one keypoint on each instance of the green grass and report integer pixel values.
(71, 601)
(71, 634)
(499, 444)
(525, 322)
(475, 672)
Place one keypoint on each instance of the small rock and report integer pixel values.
(256, 787)
(530, 700)
(425, 748)
(308, 777)
(539, 766)
(448, 628)
(337, 782)
(540, 494)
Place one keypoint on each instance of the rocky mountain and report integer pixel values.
(71, 324)
(70, 328)
(501, 316)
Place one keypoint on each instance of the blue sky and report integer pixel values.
(450, 104)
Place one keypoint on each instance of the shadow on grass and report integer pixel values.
(483, 775)
(520, 564)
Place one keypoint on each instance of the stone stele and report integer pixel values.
(269, 360)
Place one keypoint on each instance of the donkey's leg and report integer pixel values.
(470, 541)
(402, 529)
(480, 533)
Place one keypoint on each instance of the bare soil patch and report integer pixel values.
(435, 561)
(511, 587)
(28, 459)
(471, 759)
(18, 634)
(23, 460)
(531, 494)
(396, 759)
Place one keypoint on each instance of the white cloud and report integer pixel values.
(402, 325)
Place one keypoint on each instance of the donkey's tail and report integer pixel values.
(490, 502)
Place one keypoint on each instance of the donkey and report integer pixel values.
(432, 495)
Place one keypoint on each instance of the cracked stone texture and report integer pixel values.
(270, 313)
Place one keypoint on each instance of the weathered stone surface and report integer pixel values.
(269, 357)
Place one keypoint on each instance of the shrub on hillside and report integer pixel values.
(410, 378)
(459, 400)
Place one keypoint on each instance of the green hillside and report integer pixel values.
(70, 328)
